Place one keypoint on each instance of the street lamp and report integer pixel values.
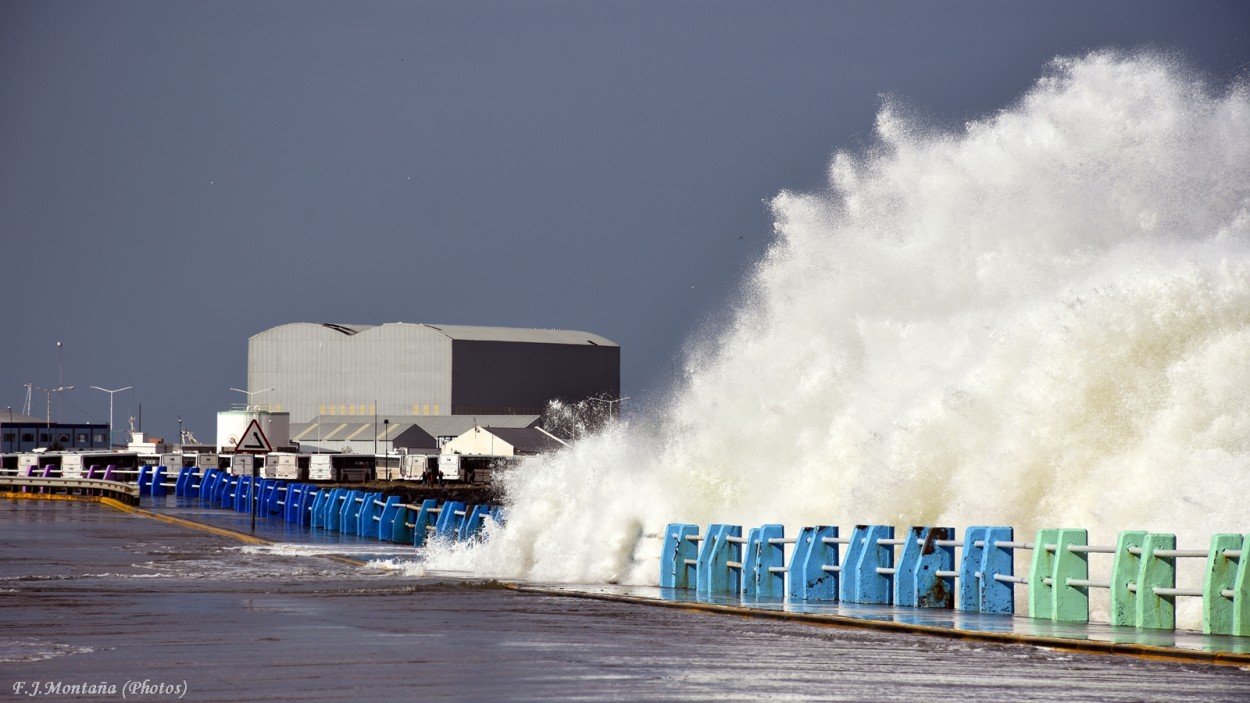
(60, 380)
(49, 392)
(111, 392)
(249, 394)
(610, 403)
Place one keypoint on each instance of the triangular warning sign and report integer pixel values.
(253, 440)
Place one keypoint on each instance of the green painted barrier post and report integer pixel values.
(1153, 610)
(1041, 593)
(1125, 567)
(1217, 609)
(1071, 603)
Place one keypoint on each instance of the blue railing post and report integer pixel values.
(861, 582)
(808, 577)
(716, 575)
(997, 596)
(676, 553)
(770, 559)
(931, 590)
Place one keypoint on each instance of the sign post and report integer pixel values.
(253, 441)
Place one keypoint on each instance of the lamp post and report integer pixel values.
(249, 394)
(60, 378)
(610, 403)
(49, 392)
(111, 392)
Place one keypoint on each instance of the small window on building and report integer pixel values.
(80, 437)
(9, 436)
(63, 438)
(43, 437)
(99, 437)
(28, 436)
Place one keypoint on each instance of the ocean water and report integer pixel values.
(100, 605)
(1039, 318)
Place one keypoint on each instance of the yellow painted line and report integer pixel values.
(1143, 651)
(54, 496)
(118, 505)
(250, 539)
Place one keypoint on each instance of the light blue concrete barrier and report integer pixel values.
(720, 561)
(869, 573)
(763, 564)
(931, 582)
(678, 556)
(815, 567)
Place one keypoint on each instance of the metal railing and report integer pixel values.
(920, 569)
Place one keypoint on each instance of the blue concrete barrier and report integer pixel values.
(932, 587)
(678, 554)
(449, 520)
(370, 515)
(720, 561)
(815, 567)
(317, 515)
(386, 521)
(334, 509)
(308, 499)
(425, 522)
(186, 479)
(763, 567)
(474, 522)
(868, 576)
(158, 481)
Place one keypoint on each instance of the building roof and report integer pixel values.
(18, 418)
(484, 334)
(519, 334)
(526, 440)
(337, 428)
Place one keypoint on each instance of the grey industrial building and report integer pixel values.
(339, 381)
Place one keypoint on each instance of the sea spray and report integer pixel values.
(1040, 319)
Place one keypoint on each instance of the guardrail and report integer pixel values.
(125, 492)
(920, 570)
(347, 511)
(357, 512)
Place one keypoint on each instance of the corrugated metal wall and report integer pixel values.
(319, 370)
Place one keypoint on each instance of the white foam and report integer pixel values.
(1040, 319)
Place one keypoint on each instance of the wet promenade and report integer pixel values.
(96, 597)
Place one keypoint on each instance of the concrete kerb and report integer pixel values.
(845, 622)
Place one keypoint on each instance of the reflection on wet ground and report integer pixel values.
(100, 596)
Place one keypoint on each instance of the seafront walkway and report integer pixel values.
(693, 593)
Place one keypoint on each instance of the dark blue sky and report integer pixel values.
(177, 176)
